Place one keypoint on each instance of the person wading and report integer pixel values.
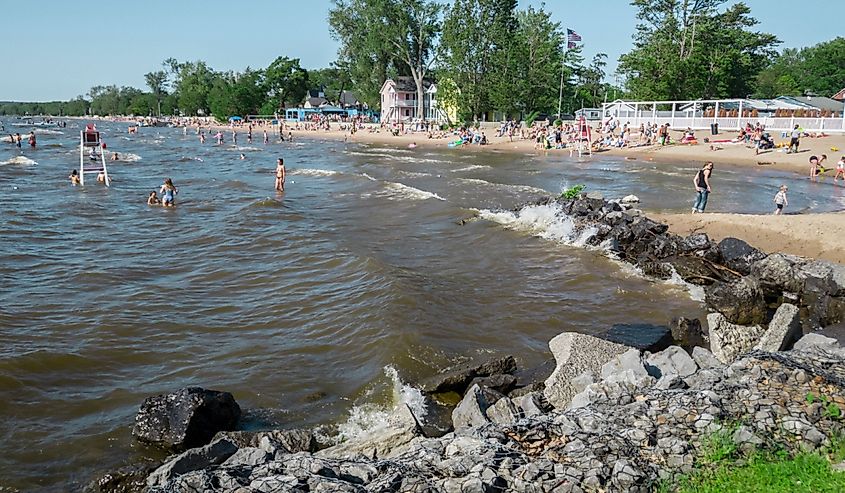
(702, 187)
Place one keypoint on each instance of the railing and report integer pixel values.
(734, 123)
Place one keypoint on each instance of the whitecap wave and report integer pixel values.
(414, 174)
(128, 157)
(401, 191)
(544, 221)
(47, 131)
(20, 160)
(365, 175)
(475, 181)
(249, 148)
(471, 168)
(313, 172)
(366, 419)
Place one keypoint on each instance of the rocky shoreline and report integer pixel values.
(613, 415)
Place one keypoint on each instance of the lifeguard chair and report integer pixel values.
(90, 139)
(585, 137)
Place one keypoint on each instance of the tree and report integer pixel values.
(540, 51)
(689, 49)
(818, 69)
(157, 82)
(193, 83)
(286, 81)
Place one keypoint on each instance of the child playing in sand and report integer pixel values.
(74, 178)
(153, 199)
(780, 200)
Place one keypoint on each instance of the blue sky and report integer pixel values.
(55, 49)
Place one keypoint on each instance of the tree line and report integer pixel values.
(491, 60)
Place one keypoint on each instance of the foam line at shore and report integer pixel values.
(408, 192)
(20, 160)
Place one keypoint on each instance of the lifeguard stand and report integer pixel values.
(585, 137)
(90, 139)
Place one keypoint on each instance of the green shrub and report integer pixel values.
(572, 192)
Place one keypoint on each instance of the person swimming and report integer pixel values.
(101, 177)
(115, 156)
(243, 156)
(153, 199)
(74, 178)
(168, 193)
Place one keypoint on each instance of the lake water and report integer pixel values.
(311, 307)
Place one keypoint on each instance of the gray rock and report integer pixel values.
(595, 195)
(815, 342)
(533, 404)
(728, 341)
(472, 410)
(783, 331)
(504, 412)
(501, 383)
(739, 255)
(576, 353)
(694, 242)
(459, 378)
(192, 460)
(187, 418)
(388, 440)
(625, 475)
(581, 382)
(289, 441)
(645, 337)
(741, 301)
(688, 333)
(778, 273)
(249, 457)
(705, 359)
(629, 360)
(671, 362)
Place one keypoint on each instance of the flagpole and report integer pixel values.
(562, 66)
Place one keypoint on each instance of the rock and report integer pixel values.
(784, 330)
(127, 479)
(503, 412)
(778, 273)
(192, 460)
(472, 410)
(389, 439)
(534, 404)
(583, 380)
(645, 337)
(816, 342)
(247, 456)
(739, 255)
(187, 418)
(705, 359)
(630, 199)
(625, 476)
(576, 353)
(595, 196)
(728, 341)
(671, 362)
(688, 333)
(501, 383)
(459, 378)
(695, 242)
(289, 441)
(741, 302)
(694, 269)
(631, 360)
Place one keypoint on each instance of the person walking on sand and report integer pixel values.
(781, 200)
(280, 175)
(702, 187)
(840, 170)
(795, 140)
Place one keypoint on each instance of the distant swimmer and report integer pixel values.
(280, 175)
(18, 140)
(74, 178)
(412, 145)
(266, 139)
(115, 156)
(168, 193)
(202, 138)
(101, 177)
(243, 156)
(32, 140)
(153, 199)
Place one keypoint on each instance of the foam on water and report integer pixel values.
(401, 191)
(414, 174)
(475, 181)
(312, 172)
(471, 168)
(129, 157)
(544, 221)
(368, 418)
(47, 131)
(249, 148)
(20, 160)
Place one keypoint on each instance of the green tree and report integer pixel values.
(689, 49)
(286, 81)
(157, 82)
(818, 69)
(540, 54)
(192, 86)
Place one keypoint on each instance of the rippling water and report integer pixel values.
(296, 303)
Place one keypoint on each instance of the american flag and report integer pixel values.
(572, 35)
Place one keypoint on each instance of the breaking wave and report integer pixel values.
(20, 160)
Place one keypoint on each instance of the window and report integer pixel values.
(407, 96)
(407, 113)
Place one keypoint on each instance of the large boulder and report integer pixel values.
(739, 255)
(671, 362)
(645, 337)
(694, 269)
(778, 273)
(184, 419)
(783, 331)
(288, 441)
(387, 440)
(471, 412)
(695, 242)
(576, 353)
(728, 341)
(741, 302)
(687, 333)
(458, 379)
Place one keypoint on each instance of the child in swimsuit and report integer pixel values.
(153, 199)
(74, 178)
(168, 192)
(280, 175)
(780, 200)
(840, 170)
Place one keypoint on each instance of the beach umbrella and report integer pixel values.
(235, 118)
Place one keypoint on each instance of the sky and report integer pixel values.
(61, 48)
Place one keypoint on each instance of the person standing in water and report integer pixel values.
(780, 200)
(280, 175)
(18, 140)
(74, 178)
(702, 187)
(840, 170)
(234, 137)
(266, 139)
(168, 193)
(32, 140)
